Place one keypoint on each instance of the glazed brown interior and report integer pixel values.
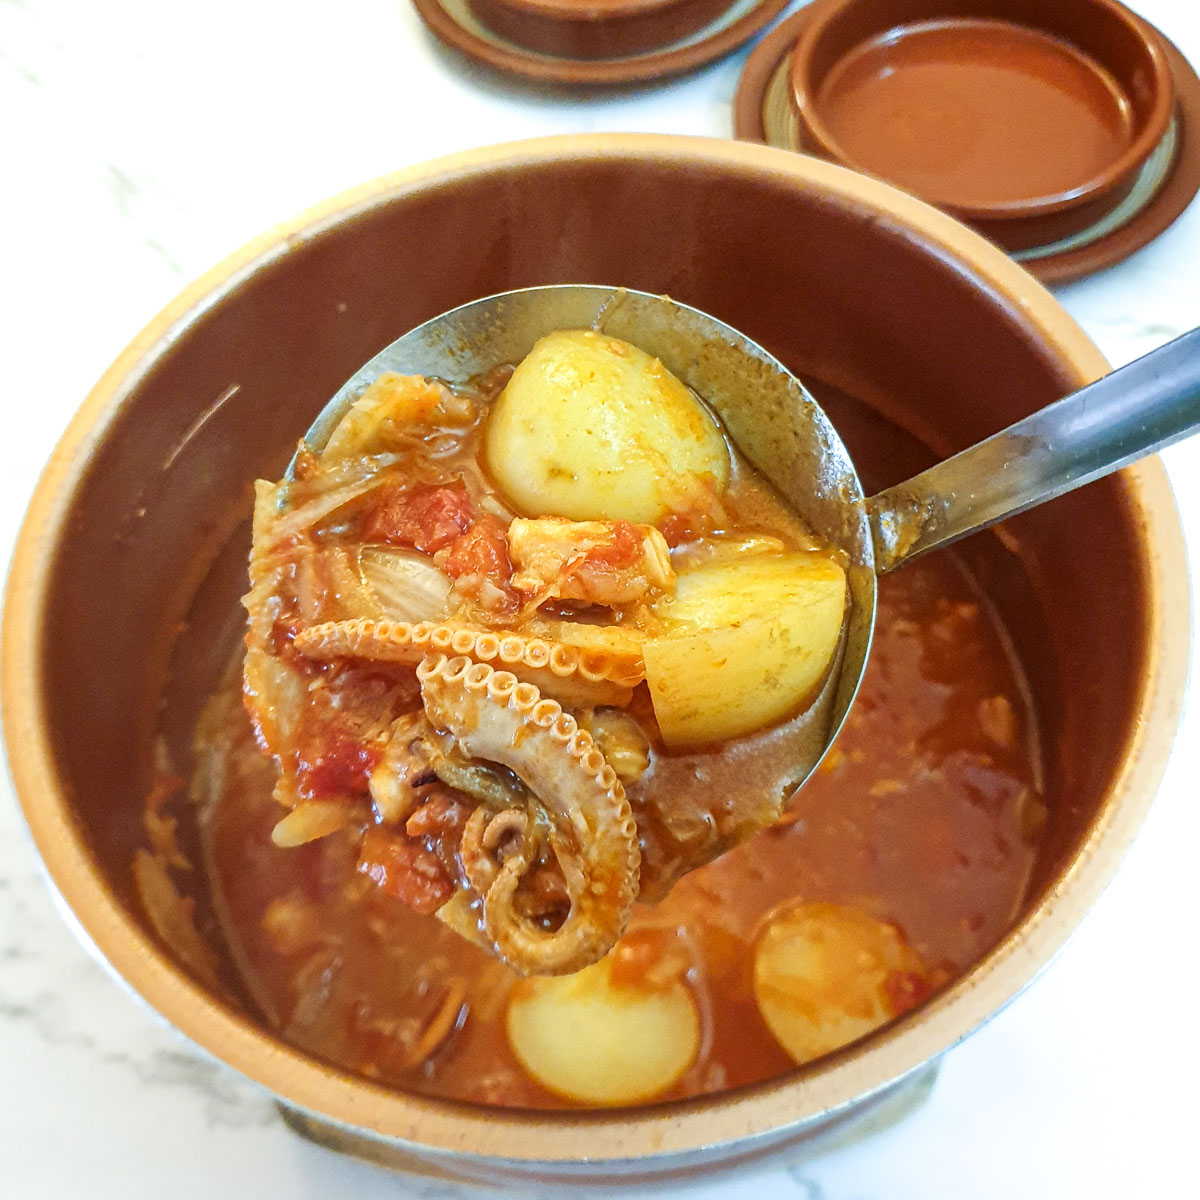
(606, 29)
(859, 307)
(1106, 33)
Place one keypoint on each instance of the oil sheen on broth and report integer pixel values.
(901, 860)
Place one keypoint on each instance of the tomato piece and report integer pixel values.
(444, 813)
(905, 990)
(341, 765)
(481, 550)
(404, 869)
(680, 528)
(426, 517)
(479, 561)
(624, 550)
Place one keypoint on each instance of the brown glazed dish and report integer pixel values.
(596, 28)
(1030, 121)
(541, 42)
(765, 112)
(919, 337)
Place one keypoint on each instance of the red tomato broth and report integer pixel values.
(925, 813)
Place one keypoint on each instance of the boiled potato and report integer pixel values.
(592, 428)
(826, 975)
(590, 1040)
(746, 643)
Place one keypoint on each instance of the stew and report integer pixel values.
(420, 885)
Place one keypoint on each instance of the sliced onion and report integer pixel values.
(312, 820)
(334, 491)
(173, 917)
(405, 585)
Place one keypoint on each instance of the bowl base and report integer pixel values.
(885, 1109)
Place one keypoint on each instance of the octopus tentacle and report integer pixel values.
(577, 677)
(503, 828)
(380, 641)
(490, 840)
(495, 716)
(478, 866)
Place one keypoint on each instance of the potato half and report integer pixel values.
(746, 644)
(585, 1038)
(592, 428)
(826, 975)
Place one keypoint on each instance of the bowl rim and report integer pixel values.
(764, 1113)
(1108, 179)
(711, 41)
(593, 12)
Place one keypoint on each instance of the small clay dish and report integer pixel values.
(596, 29)
(596, 42)
(764, 111)
(1030, 121)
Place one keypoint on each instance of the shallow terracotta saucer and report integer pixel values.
(765, 111)
(1031, 122)
(641, 40)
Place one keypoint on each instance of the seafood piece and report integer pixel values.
(417, 758)
(488, 841)
(622, 741)
(494, 786)
(406, 766)
(494, 716)
(574, 677)
(598, 562)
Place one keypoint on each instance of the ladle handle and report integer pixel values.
(1134, 411)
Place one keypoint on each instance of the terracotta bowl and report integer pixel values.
(920, 336)
(596, 28)
(1029, 120)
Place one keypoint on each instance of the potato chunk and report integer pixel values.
(826, 975)
(592, 428)
(746, 644)
(586, 1038)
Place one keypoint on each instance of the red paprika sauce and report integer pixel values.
(925, 814)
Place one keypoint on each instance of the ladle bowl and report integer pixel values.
(785, 434)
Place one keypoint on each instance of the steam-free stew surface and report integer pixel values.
(920, 828)
(425, 884)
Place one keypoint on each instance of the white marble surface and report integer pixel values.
(139, 143)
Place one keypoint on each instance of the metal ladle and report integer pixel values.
(781, 429)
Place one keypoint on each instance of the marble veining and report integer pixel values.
(143, 141)
(49, 993)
